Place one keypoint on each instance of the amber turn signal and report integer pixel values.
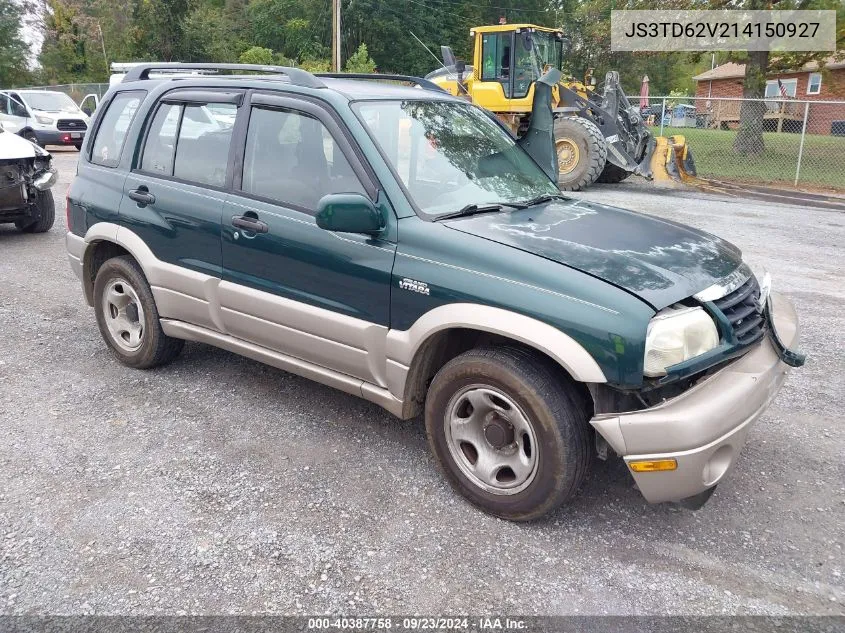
(653, 465)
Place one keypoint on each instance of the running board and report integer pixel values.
(348, 384)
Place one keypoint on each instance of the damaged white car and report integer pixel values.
(26, 175)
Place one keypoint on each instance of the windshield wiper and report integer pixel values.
(475, 209)
(546, 197)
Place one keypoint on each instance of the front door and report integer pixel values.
(289, 285)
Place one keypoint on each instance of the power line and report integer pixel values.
(460, 2)
(404, 17)
(441, 9)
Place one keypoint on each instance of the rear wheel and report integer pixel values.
(45, 208)
(581, 152)
(29, 135)
(128, 318)
(613, 174)
(509, 434)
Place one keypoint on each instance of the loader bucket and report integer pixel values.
(672, 161)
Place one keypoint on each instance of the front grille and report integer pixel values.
(71, 125)
(740, 308)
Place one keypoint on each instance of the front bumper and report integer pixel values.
(705, 428)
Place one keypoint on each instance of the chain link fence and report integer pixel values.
(803, 142)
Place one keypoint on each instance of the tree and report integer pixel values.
(158, 31)
(258, 55)
(360, 61)
(62, 57)
(213, 35)
(14, 67)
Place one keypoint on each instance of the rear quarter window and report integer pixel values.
(111, 133)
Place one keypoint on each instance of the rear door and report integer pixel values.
(96, 194)
(289, 285)
(173, 197)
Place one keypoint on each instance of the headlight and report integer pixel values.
(675, 335)
(43, 120)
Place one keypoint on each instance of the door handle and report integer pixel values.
(248, 223)
(142, 196)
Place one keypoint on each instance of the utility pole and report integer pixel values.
(103, 43)
(336, 66)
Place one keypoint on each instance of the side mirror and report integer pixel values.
(348, 213)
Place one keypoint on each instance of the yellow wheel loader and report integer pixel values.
(599, 135)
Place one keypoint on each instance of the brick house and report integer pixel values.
(806, 84)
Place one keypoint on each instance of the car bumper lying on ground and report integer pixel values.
(703, 430)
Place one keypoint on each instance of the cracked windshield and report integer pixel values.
(450, 155)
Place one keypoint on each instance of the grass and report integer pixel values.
(822, 164)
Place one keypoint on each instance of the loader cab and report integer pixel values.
(508, 60)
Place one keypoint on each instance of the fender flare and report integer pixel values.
(156, 271)
(403, 345)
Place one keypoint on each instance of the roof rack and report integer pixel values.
(419, 81)
(297, 76)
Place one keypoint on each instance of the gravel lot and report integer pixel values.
(219, 485)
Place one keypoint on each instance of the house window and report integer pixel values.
(814, 85)
(773, 90)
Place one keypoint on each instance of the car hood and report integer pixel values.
(660, 261)
(13, 147)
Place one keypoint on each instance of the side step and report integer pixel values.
(331, 378)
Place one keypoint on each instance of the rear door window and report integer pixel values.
(190, 142)
(160, 146)
(202, 152)
(111, 133)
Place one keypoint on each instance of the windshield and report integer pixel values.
(450, 155)
(549, 50)
(50, 102)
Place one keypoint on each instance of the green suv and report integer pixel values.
(398, 244)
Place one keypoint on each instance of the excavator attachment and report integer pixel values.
(631, 147)
(672, 161)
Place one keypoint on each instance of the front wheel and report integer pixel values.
(30, 136)
(509, 432)
(45, 209)
(581, 152)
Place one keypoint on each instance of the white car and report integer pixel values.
(44, 117)
(27, 174)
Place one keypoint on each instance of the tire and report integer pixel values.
(581, 151)
(30, 136)
(613, 174)
(551, 453)
(137, 339)
(46, 209)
